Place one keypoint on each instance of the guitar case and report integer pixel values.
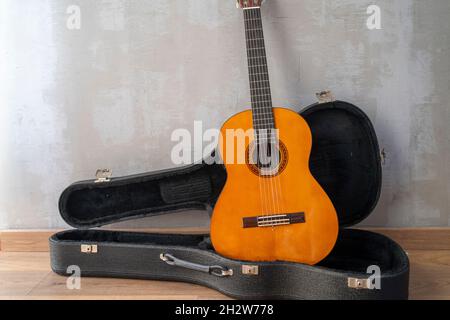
(345, 160)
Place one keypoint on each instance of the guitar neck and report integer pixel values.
(260, 93)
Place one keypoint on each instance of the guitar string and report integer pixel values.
(276, 179)
(256, 79)
(261, 192)
(272, 135)
(260, 72)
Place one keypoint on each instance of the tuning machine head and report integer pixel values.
(247, 4)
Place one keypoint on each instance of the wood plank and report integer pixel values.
(408, 238)
(430, 274)
(25, 240)
(20, 272)
(24, 261)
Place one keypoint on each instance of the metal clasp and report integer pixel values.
(325, 97)
(250, 270)
(103, 175)
(220, 271)
(89, 248)
(355, 283)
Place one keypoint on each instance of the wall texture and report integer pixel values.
(110, 94)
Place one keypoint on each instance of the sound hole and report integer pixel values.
(267, 159)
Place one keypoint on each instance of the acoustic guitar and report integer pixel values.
(271, 207)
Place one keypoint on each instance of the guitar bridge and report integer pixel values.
(273, 220)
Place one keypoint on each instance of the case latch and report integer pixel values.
(325, 96)
(250, 270)
(103, 175)
(89, 248)
(355, 283)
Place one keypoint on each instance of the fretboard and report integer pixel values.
(261, 96)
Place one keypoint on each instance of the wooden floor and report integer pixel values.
(26, 273)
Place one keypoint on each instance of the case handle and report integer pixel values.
(217, 271)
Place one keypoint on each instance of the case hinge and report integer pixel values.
(89, 248)
(325, 96)
(103, 175)
(250, 270)
(355, 283)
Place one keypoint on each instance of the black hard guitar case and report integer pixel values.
(345, 160)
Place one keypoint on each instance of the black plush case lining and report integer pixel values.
(345, 159)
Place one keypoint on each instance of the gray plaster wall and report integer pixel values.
(110, 94)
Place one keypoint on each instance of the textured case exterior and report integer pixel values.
(275, 280)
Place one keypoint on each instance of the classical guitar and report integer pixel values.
(271, 208)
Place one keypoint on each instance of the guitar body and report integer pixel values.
(293, 190)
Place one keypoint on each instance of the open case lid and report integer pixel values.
(345, 160)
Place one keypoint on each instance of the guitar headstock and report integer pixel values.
(247, 4)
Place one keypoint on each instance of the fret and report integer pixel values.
(265, 109)
(249, 35)
(268, 97)
(261, 95)
(253, 49)
(255, 65)
(262, 116)
(255, 79)
(263, 112)
(259, 81)
(259, 76)
(257, 91)
(261, 101)
(261, 108)
(262, 121)
(260, 57)
(258, 65)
